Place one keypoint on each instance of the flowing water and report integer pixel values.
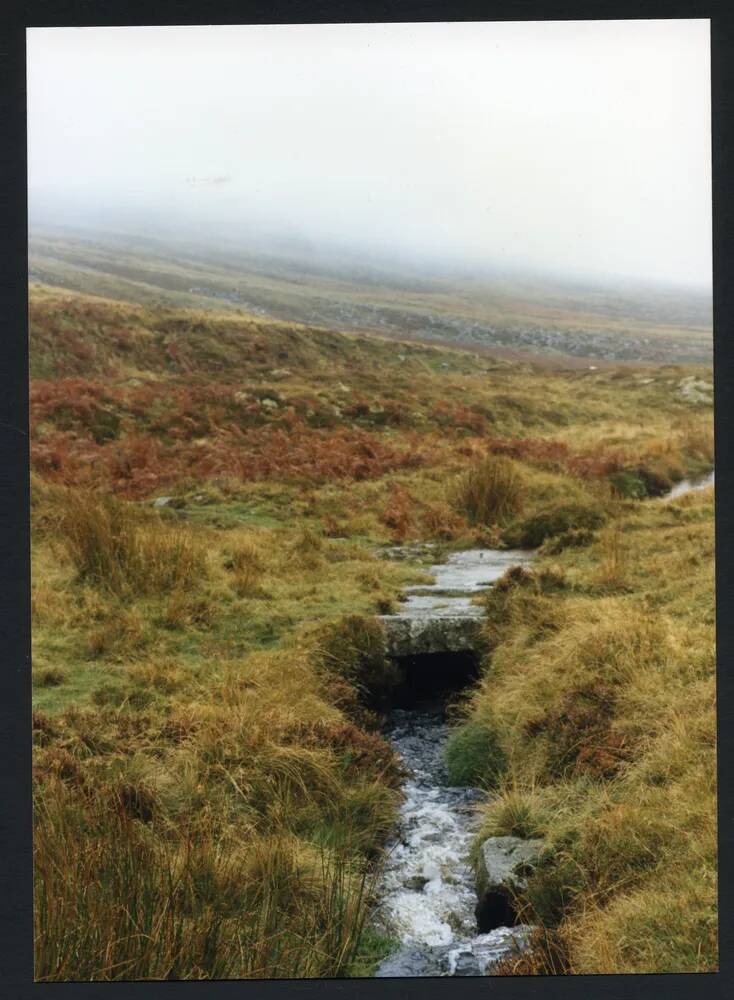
(428, 895)
(690, 486)
(427, 892)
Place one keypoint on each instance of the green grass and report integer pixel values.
(375, 945)
(474, 756)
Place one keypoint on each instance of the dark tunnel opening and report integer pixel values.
(494, 910)
(433, 677)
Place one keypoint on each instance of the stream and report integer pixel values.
(428, 895)
(690, 486)
(427, 889)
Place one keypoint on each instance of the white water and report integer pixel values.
(427, 892)
(690, 486)
(428, 895)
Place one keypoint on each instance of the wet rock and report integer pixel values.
(410, 960)
(464, 963)
(499, 944)
(501, 872)
(480, 956)
(416, 882)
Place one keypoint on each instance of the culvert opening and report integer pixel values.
(495, 910)
(433, 677)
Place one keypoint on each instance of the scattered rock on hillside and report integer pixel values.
(695, 390)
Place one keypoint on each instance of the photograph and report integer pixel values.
(372, 569)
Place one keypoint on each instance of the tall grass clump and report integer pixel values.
(353, 648)
(614, 561)
(118, 899)
(122, 550)
(247, 564)
(489, 491)
(238, 838)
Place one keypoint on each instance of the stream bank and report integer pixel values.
(428, 890)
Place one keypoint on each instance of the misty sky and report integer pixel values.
(578, 146)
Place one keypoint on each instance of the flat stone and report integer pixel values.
(410, 636)
(442, 617)
(473, 570)
(420, 606)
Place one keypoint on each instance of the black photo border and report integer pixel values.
(16, 966)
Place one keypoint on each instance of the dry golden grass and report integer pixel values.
(123, 550)
(614, 557)
(207, 842)
(489, 491)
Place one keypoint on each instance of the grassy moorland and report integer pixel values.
(212, 793)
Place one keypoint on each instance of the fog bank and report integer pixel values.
(578, 147)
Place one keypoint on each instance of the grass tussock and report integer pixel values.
(474, 756)
(614, 558)
(116, 547)
(117, 899)
(490, 491)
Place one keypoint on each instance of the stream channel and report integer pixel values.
(427, 891)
